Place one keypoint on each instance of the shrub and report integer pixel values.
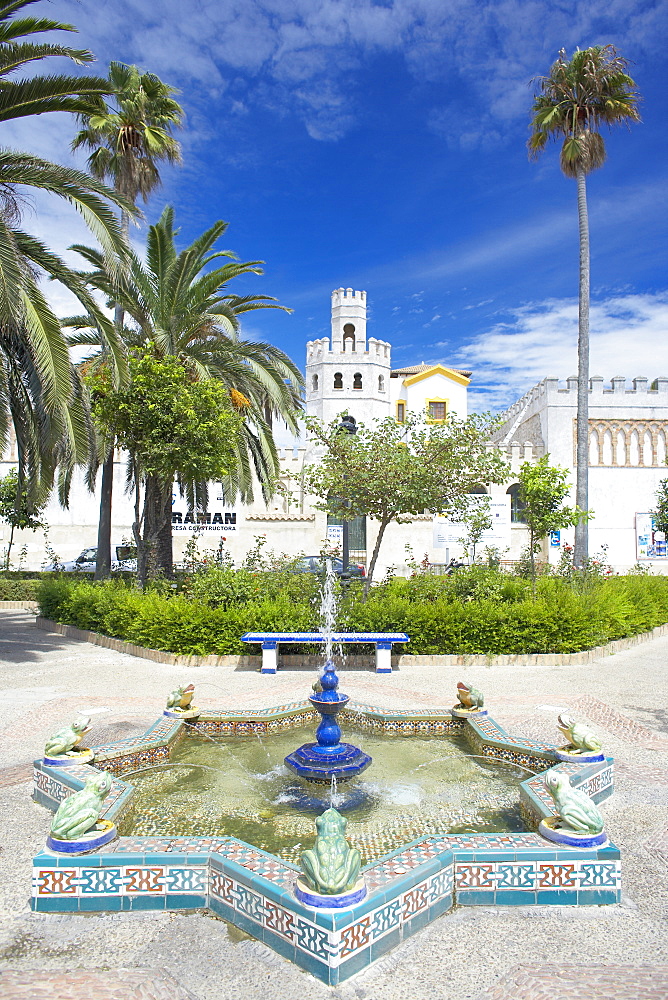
(481, 612)
(14, 588)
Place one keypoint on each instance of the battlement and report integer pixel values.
(346, 296)
(376, 350)
(640, 392)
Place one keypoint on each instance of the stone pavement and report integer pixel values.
(471, 953)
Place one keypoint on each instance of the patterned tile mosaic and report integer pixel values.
(254, 889)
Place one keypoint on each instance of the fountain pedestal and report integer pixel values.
(328, 758)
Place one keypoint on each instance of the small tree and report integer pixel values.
(478, 520)
(661, 516)
(543, 490)
(17, 508)
(172, 426)
(393, 471)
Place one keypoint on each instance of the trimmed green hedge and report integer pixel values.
(433, 614)
(13, 588)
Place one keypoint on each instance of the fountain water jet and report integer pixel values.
(328, 758)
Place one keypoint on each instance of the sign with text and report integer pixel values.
(192, 521)
(650, 542)
(447, 533)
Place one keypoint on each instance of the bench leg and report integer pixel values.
(383, 657)
(269, 657)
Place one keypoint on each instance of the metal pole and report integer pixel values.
(348, 425)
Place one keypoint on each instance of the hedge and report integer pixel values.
(559, 620)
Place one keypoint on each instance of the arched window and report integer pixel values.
(357, 380)
(478, 491)
(314, 382)
(516, 504)
(338, 380)
(349, 337)
(381, 383)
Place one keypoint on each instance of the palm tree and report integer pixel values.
(43, 395)
(183, 309)
(576, 98)
(127, 140)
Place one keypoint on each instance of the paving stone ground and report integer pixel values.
(122, 984)
(471, 953)
(548, 982)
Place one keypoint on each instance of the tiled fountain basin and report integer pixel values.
(253, 889)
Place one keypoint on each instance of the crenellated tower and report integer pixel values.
(353, 374)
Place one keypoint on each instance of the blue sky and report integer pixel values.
(381, 145)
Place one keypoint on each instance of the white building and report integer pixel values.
(628, 436)
(351, 372)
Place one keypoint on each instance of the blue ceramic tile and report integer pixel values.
(54, 904)
(385, 943)
(221, 909)
(96, 904)
(156, 902)
(514, 897)
(538, 855)
(416, 922)
(557, 897)
(598, 897)
(470, 897)
(610, 853)
(441, 906)
(279, 944)
(185, 901)
(356, 962)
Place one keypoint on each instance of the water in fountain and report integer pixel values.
(398, 800)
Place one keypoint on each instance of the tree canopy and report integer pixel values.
(393, 471)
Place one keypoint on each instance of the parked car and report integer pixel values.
(316, 564)
(125, 561)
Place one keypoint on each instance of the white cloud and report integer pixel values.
(627, 337)
(492, 47)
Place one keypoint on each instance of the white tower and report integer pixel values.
(354, 374)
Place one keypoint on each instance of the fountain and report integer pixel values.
(338, 905)
(328, 759)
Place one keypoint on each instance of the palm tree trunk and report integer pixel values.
(157, 527)
(581, 551)
(103, 555)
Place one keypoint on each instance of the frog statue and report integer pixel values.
(469, 697)
(333, 866)
(180, 699)
(579, 737)
(80, 812)
(66, 739)
(576, 810)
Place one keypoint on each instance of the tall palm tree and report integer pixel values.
(47, 395)
(128, 138)
(183, 308)
(573, 102)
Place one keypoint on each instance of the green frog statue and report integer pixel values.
(332, 867)
(577, 812)
(80, 813)
(580, 739)
(67, 742)
(179, 702)
(471, 701)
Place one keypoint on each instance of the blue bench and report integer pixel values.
(271, 640)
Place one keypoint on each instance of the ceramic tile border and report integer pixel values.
(408, 888)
